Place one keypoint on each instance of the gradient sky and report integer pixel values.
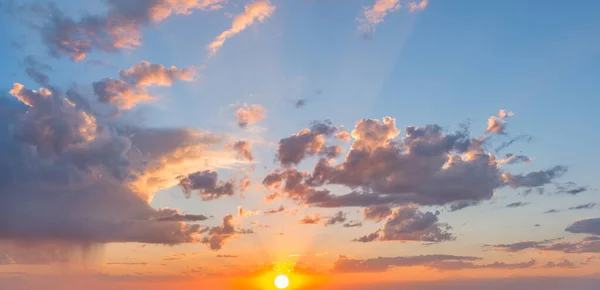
(350, 144)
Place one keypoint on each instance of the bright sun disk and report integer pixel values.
(282, 282)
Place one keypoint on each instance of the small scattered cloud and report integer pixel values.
(311, 220)
(584, 206)
(249, 114)
(338, 217)
(517, 204)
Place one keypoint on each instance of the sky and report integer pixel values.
(345, 144)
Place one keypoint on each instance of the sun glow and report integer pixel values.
(282, 282)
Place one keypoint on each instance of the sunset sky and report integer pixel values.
(346, 144)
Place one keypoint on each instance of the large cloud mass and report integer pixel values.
(67, 175)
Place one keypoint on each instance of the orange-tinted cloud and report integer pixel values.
(250, 114)
(414, 6)
(256, 11)
(376, 14)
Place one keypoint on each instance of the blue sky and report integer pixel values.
(454, 62)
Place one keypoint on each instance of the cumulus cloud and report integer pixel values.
(219, 235)
(257, 11)
(119, 28)
(427, 167)
(311, 220)
(407, 223)
(338, 217)
(375, 14)
(242, 212)
(497, 124)
(68, 176)
(131, 89)
(207, 185)
(249, 114)
(346, 265)
(585, 226)
(308, 142)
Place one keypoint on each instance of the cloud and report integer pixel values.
(426, 167)
(119, 28)
(219, 235)
(182, 218)
(564, 263)
(585, 226)
(242, 212)
(353, 224)
(407, 223)
(127, 264)
(514, 159)
(311, 220)
(517, 204)
(346, 265)
(274, 211)
(68, 176)
(36, 70)
(338, 217)
(243, 150)
(207, 185)
(226, 256)
(249, 114)
(414, 6)
(126, 92)
(583, 206)
(552, 211)
(461, 265)
(497, 124)
(308, 142)
(376, 14)
(377, 213)
(257, 11)
(571, 188)
(534, 179)
(587, 245)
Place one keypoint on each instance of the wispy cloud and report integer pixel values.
(257, 11)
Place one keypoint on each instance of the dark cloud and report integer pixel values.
(382, 264)
(564, 263)
(514, 159)
(407, 223)
(427, 167)
(585, 226)
(517, 204)
(338, 217)
(583, 206)
(462, 204)
(119, 28)
(571, 188)
(552, 211)
(587, 245)
(37, 70)
(274, 211)
(183, 218)
(504, 145)
(353, 224)
(377, 213)
(219, 235)
(308, 142)
(534, 179)
(461, 265)
(207, 185)
(69, 176)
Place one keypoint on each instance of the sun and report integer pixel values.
(282, 282)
